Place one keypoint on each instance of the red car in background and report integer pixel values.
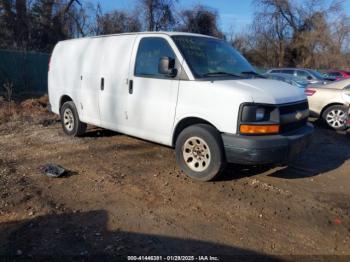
(338, 74)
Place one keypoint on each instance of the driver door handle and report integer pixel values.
(131, 86)
(102, 83)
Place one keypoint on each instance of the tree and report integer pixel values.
(290, 33)
(15, 23)
(118, 22)
(7, 20)
(37, 24)
(201, 20)
(52, 21)
(158, 14)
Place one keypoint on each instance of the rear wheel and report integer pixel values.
(336, 116)
(199, 152)
(71, 123)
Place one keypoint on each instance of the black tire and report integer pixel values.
(208, 137)
(71, 123)
(331, 111)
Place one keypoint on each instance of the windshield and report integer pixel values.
(316, 74)
(211, 57)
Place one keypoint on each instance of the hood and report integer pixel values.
(266, 90)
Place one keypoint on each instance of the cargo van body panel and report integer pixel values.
(193, 92)
(113, 99)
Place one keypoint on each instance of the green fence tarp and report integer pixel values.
(27, 71)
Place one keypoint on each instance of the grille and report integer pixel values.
(292, 109)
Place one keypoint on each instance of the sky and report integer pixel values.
(235, 15)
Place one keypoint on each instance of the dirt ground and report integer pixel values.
(124, 196)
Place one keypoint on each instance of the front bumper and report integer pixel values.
(278, 149)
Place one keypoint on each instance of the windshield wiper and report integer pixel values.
(220, 73)
(252, 73)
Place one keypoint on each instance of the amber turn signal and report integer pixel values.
(259, 129)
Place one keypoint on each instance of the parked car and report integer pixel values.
(290, 79)
(338, 74)
(192, 92)
(331, 102)
(309, 75)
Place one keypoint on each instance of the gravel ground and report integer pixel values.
(125, 196)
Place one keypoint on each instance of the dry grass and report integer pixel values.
(38, 105)
(8, 110)
(30, 109)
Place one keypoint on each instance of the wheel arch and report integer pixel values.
(329, 105)
(64, 99)
(186, 122)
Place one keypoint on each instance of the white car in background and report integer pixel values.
(330, 102)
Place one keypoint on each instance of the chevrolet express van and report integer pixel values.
(192, 92)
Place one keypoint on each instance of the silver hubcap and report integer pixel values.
(68, 119)
(336, 118)
(196, 154)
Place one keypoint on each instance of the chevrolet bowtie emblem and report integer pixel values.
(298, 115)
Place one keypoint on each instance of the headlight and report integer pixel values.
(259, 119)
(260, 114)
(255, 113)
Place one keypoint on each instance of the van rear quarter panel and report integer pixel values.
(65, 70)
(76, 69)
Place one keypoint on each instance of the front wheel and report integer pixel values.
(199, 152)
(71, 123)
(336, 116)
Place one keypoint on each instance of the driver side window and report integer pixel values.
(150, 50)
(303, 75)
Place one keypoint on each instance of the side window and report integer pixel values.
(151, 49)
(289, 72)
(303, 74)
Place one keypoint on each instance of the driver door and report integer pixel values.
(152, 96)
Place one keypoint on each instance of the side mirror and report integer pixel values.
(309, 78)
(166, 66)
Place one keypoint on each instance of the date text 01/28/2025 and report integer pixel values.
(173, 258)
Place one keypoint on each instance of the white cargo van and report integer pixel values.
(192, 92)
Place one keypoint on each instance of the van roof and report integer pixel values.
(143, 33)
